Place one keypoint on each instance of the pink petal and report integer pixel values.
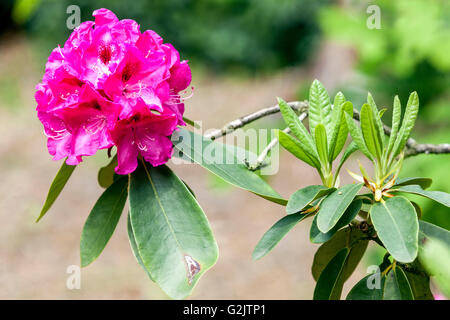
(104, 16)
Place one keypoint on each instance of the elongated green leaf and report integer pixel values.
(339, 99)
(277, 232)
(134, 248)
(396, 115)
(334, 206)
(424, 183)
(351, 238)
(297, 128)
(357, 250)
(295, 147)
(328, 279)
(396, 286)
(370, 132)
(301, 198)
(409, 119)
(340, 130)
(222, 160)
(377, 117)
(106, 174)
(102, 221)
(316, 236)
(438, 196)
(172, 234)
(395, 221)
(322, 144)
(56, 187)
(319, 108)
(365, 290)
(357, 136)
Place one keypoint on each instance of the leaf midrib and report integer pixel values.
(162, 208)
(396, 227)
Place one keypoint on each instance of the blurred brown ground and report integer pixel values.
(34, 257)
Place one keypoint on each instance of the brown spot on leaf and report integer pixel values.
(192, 267)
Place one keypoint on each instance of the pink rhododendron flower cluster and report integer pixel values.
(112, 85)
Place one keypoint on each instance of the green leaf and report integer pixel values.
(334, 206)
(370, 132)
(419, 281)
(396, 115)
(409, 119)
(316, 236)
(222, 160)
(357, 136)
(295, 147)
(395, 221)
(351, 238)
(321, 144)
(396, 286)
(106, 174)
(339, 99)
(173, 236)
(301, 198)
(319, 108)
(361, 290)
(297, 128)
(377, 117)
(423, 182)
(328, 279)
(430, 231)
(134, 248)
(56, 187)
(102, 221)
(277, 232)
(438, 196)
(435, 257)
(340, 130)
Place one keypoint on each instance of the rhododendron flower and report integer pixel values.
(111, 85)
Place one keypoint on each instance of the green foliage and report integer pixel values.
(105, 175)
(317, 236)
(277, 232)
(295, 147)
(252, 35)
(56, 187)
(328, 132)
(407, 51)
(382, 215)
(438, 196)
(173, 238)
(301, 198)
(334, 206)
(172, 241)
(102, 221)
(395, 221)
(328, 280)
(396, 286)
(223, 161)
(361, 291)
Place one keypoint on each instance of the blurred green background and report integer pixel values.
(243, 53)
